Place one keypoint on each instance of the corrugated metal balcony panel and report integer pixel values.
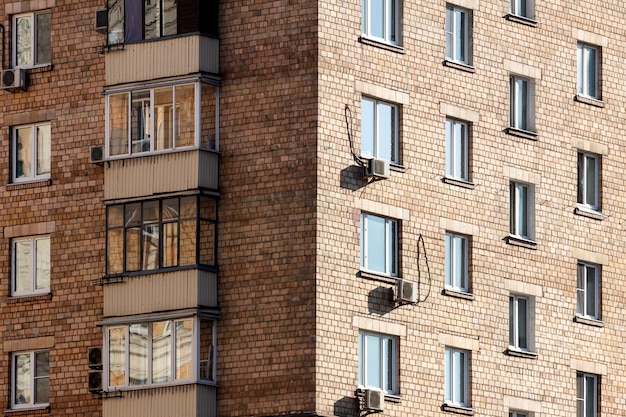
(175, 290)
(164, 58)
(183, 400)
(160, 173)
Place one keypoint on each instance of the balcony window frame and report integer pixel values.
(123, 360)
(40, 156)
(391, 21)
(374, 132)
(161, 223)
(391, 244)
(18, 401)
(211, 142)
(36, 35)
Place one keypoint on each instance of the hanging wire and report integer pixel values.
(419, 271)
(348, 116)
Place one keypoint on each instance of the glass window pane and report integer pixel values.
(152, 19)
(522, 313)
(188, 208)
(43, 39)
(24, 153)
(373, 356)
(388, 367)
(448, 260)
(117, 356)
(24, 40)
(185, 115)
(377, 14)
(208, 116)
(115, 252)
(448, 374)
(170, 244)
(42, 390)
(206, 248)
(367, 128)
(170, 209)
(116, 21)
(23, 260)
(42, 380)
(164, 118)
(170, 17)
(22, 388)
(590, 180)
(385, 131)
(43, 263)
(161, 351)
(375, 246)
(141, 123)
(138, 354)
(151, 244)
(184, 349)
(133, 249)
(188, 242)
(118, 124)
(590, 396)
(206, 350)
(43, 149)
(511, 321)
(591, 291)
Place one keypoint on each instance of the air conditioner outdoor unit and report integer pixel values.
(406, 291)
(101, 21)
(13, 78)
(377, 168)
(95, 381)
(374, 400)
(96, 154)
(94, 357)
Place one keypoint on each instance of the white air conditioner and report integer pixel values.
(96, 154)
(406, 291)
(13, 78)
(374, 400)
(101, 21)
(377, 168)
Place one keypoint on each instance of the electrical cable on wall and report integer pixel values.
(419, 271)
(348, 116)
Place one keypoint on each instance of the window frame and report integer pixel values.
(385, 360)
(33, 378)
(522, 210)
(161, 223)
(518, 6)
(391, 22)
(391, 242)
(195, 363)
(457, 377)
(33, 266)
(375, 127)
(459, 34)
(582, 387)
(588, 79)
(584, 159)
(516, 413)
(456, 268)
(457, 149)
(34, 60)
(583, 295)
(34, 152)
(522, 103)
(515, 336)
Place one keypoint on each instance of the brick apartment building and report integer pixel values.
(312, 208)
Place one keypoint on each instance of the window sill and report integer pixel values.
(526, 134)
(457, 294)
(521, 353)
(30, 184)
(460, 66)
(378, 277)
(28, 298)
(379, 43)
(28, 411)
(458, 183)
(589, 100)
(590, 213)
(457, 409)
(520, 241)
(521, 19)
(588, 321)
